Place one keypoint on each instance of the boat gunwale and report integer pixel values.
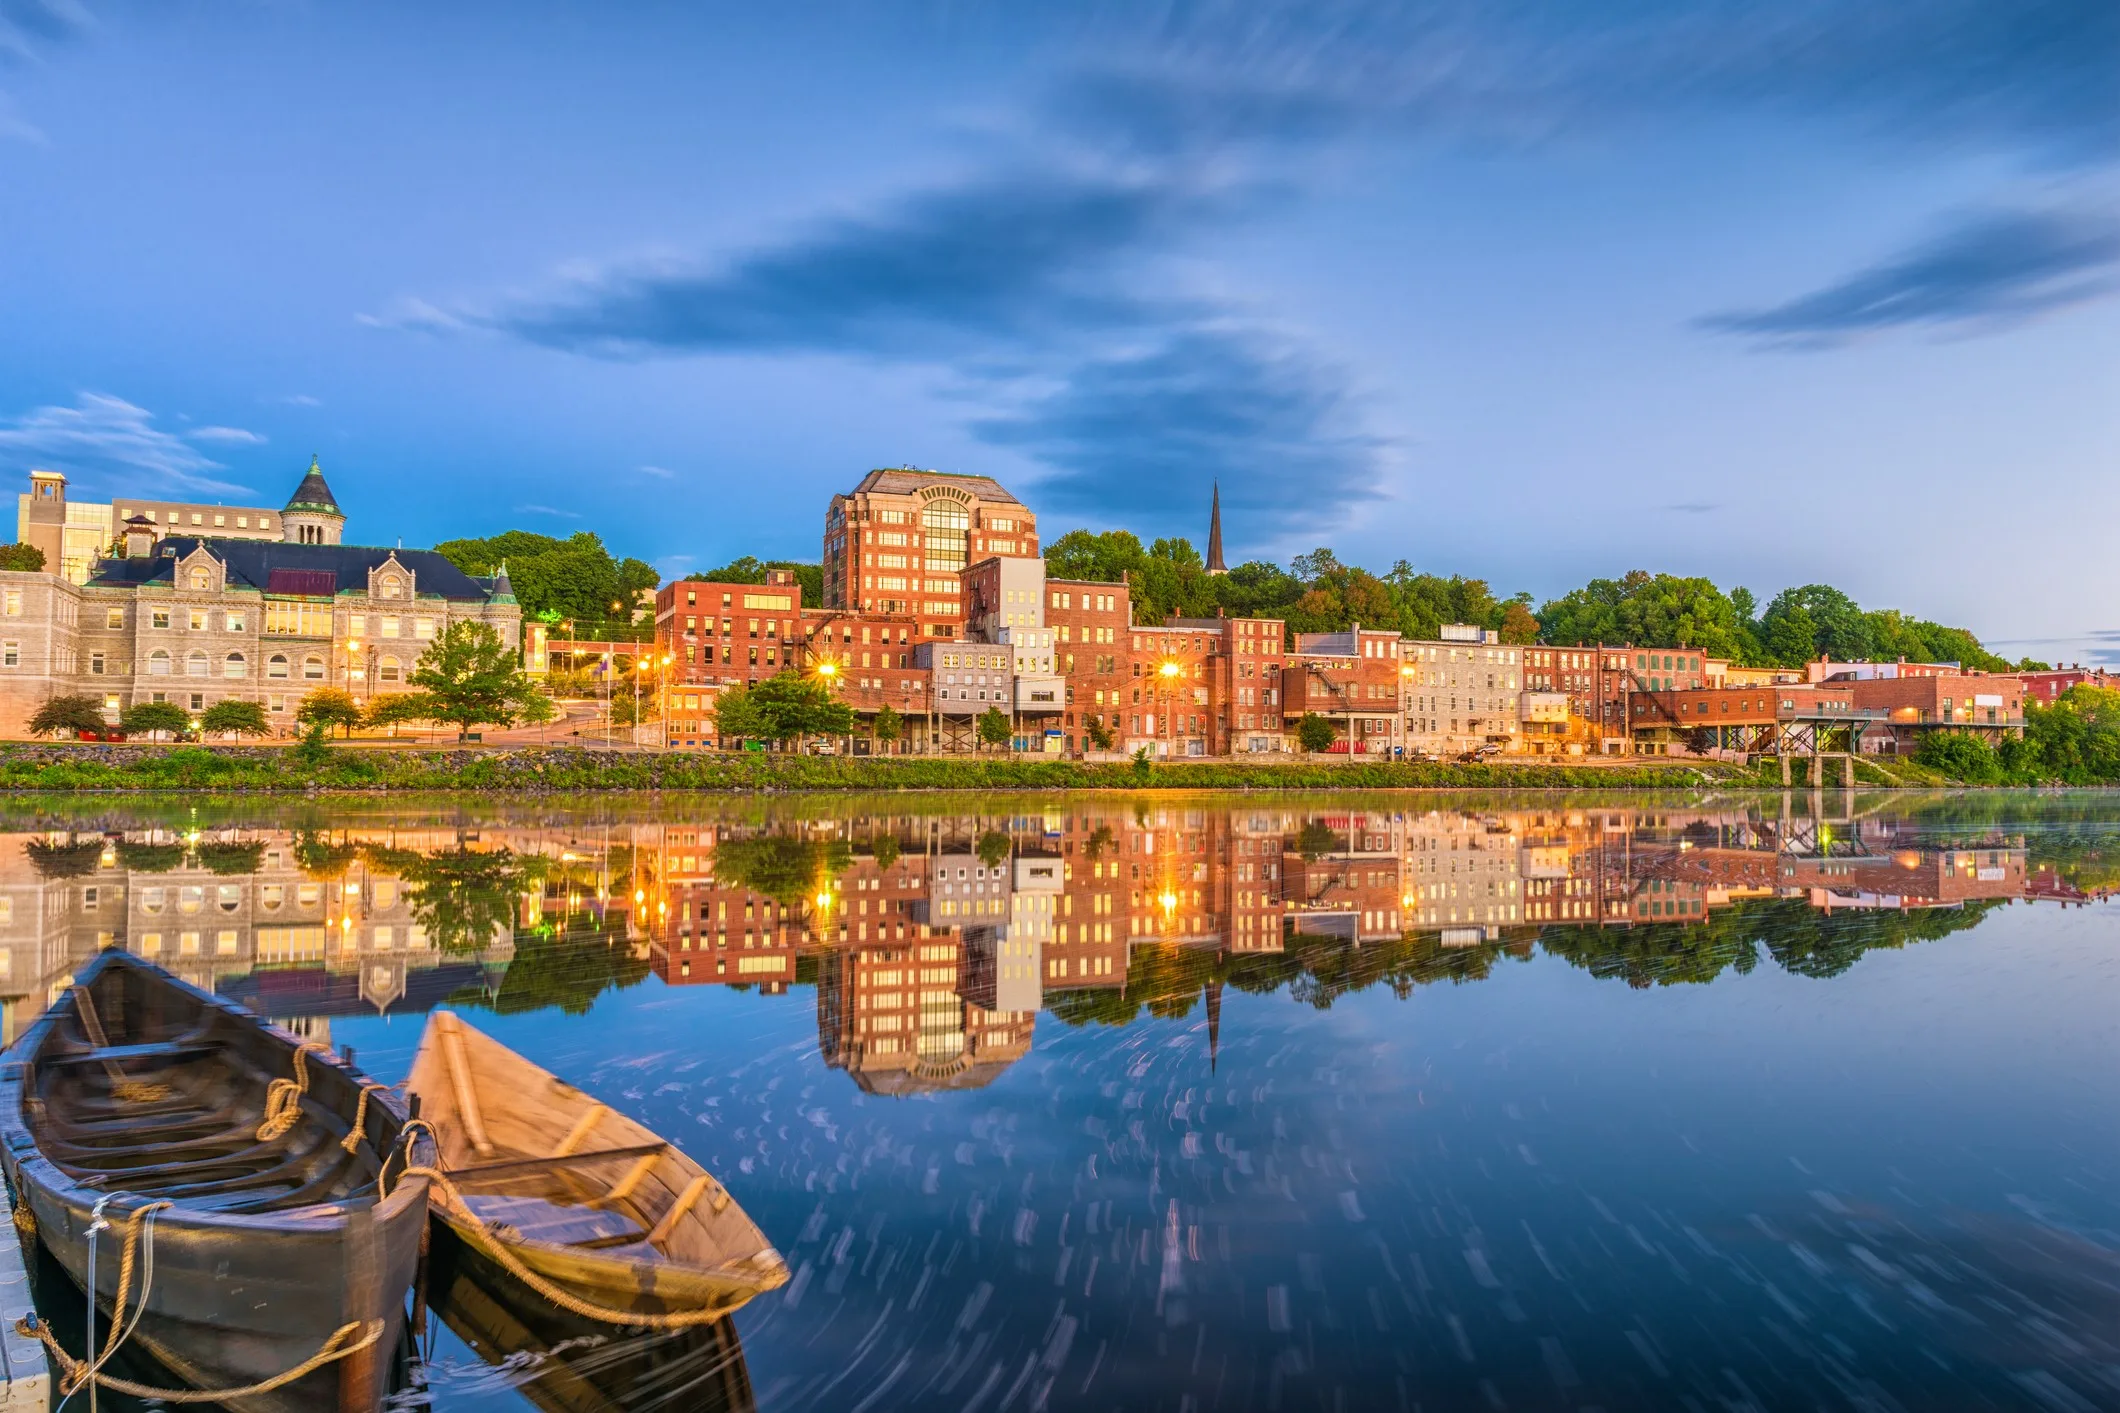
(30, 1166)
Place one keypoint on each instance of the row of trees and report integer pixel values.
(1319, 594)
(2076, 741)
(467, 677)
(575, 578)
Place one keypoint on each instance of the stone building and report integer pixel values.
(193, 620)
(75, 534)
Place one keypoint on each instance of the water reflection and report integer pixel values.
(1019, 1088)
(933, 940)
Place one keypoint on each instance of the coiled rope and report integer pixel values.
(352, 1142)
(141, 1091)
(493, 1246)
(283, 1097)
(76, 1373)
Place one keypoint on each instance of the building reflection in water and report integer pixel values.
(933, 942)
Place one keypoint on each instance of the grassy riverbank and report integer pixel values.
(274, 768)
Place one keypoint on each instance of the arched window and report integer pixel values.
(234, 666)
(195, 665)
(158, 662)
(946, 526)
(276, 665)
(313, 668)
(387, 670)
(387, 586)
(202, 578)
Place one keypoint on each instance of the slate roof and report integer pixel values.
(317, 569)
(313, 494)
(900, 480)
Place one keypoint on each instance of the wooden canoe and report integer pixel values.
(562, 1363)
(616, 1218)
(136, 1088)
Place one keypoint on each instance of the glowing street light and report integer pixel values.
(1170, 669)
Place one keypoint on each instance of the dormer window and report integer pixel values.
(388, 586)
(201, 579)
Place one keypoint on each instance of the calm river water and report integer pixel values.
(1187, 1103)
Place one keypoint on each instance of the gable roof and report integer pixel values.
(309, 570)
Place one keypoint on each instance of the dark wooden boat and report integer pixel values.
(136, 1088)
(562, 1363)
(604, 1214)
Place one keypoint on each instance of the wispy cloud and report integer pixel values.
(660, 473)
(547, 510)
(110, 444)
(300, 400)
(1991, 268)
(1043, 280)
(233, 435)
(1694, 507)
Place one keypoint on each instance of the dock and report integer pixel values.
(28, 1380)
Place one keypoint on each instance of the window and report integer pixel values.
(198, 701)
(388, 670)
(276, 704)
(113, 618)
(235, 622)
(158, 663)
(195, 665)
(234, 665)
(13, 605)
(201, 580)
(10, 654)
(276, 665)
(357, 625)
(423, 628)
(312, 668)
(389, 586)
(242, 522)
(160, 618)
(387, 626)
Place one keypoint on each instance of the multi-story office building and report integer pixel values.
(194, 619)
(897, 542)
(1091, 624)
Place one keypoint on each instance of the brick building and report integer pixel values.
(1091, 625)
(1352, 679)
(2046, 687)
(1462, 691)
(897, 542)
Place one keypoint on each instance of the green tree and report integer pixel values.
(398, 709)
(888, 724)
(791, 707)
(150, 719)
(536, 709)
(236, 718)
(884, 845)
(751, 570)
(1647, 610)
(789, 868)
(1960, 755)
(627, 709)
(22, 558)
(329, 707)
(472, 677)
(75, 858)
(993, 848)
(68, 716)
(575, 578)
(739, 717)
(994, 727)
(1100, 735)
(1314, 732)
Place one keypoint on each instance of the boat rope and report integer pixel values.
(74, 1372)
(493, 1246)
(283, 1097)
(141, 1091)
(25, 1219)
(352, 1142)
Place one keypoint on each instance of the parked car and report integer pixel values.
(113, 734)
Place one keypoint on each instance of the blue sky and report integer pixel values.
(1773, 293)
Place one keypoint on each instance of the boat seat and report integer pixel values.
(535, 1219)
(165, 1050)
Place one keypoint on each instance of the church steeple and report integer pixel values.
(1214, 536)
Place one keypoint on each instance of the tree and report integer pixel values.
(1518, 626)
(627, 709)
(750, 570)
(888, 725)
(994, 727)
(574, 578)
(738, 716)
(1100, 735)
(394, 709)
(536, 709)
(326, 707)
(993, 848)
(68, 716)
(472, 677)
(1647, 610)
(1960, 755)
(1314, 732)
(23, 558)
(236, 718)
(790, 707)
(151, 718)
